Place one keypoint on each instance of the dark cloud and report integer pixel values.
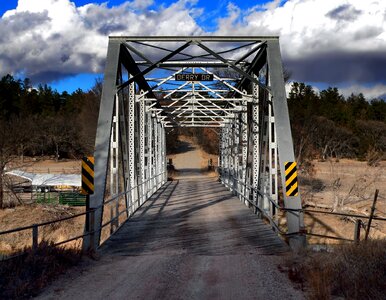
(50, 76)
(368, 32)
(105, 29)
(339, 67)
(344, 12)
(23, 21)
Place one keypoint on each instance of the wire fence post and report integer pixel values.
(357, 230)
(371, 214)
(35, 237)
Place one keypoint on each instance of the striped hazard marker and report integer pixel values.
(87, 175)
(291, 179)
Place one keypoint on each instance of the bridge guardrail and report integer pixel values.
(35, 227)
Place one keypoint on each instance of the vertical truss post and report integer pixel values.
(227, 155)
(142, 127)
(146, 153)
(114, 161)
(232, 156)
(124, 149)
(273, 162)
(264, 183)
(159, 156)
(244, 149)
(268, 168)
(154, 156)
(163, 155)
(150, 153)
(221, 155)
(224, 153)
(256, 143)
(237, 155)
(132, 168)
(295, 221)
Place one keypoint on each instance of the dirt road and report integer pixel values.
(190, 161)
(192, 240)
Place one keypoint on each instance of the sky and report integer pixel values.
(63, 43)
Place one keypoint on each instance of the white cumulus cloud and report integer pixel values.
(370, 92)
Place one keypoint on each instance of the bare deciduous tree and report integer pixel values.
(12, 134)
(332, 140)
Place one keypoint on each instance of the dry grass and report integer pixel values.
(27, 215)
(349, 271)
(26, 275)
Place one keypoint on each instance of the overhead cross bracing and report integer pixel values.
(223, 66)
(233, 84)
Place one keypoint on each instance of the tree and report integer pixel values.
(61, 134)
(377, 110)
(11, 91)
(332, 140)
(11, 133)
(87, 118)
(373, 139)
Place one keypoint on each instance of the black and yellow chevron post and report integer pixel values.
(291, 179)
(88, 175)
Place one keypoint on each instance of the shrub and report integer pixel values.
(27, 274)
(349, 271)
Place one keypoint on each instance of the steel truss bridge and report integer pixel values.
(233, 85)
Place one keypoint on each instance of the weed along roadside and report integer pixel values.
(352, 271)
(30, 271)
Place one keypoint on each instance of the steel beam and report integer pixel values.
(102, 142)
(123, 39)
(295, 221)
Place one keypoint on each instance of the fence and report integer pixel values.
(89, 216)
(130, 210)
(254, 193)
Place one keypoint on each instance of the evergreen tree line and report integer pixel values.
(42, 122)
(326, 124)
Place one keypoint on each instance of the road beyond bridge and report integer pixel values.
(191, 240)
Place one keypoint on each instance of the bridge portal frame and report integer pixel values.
(250, 111)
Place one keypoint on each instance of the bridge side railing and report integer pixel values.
(139, 200)
(254, 193)
(89, 214)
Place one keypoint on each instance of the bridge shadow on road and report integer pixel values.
(194, 216)
(191, 240)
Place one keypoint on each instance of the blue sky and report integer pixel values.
(324, 42)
